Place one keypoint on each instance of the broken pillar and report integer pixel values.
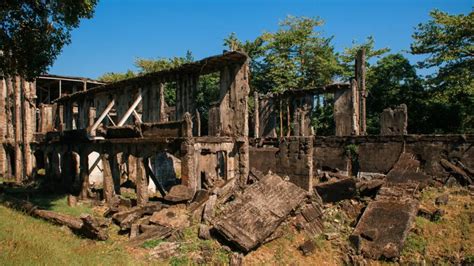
(108, 182)
(84, 173)
(394, 121)
(141, 182)
(345, 111)
(267, 118)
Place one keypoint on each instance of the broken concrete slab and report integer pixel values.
(442, 200)
(179, 193)
(337, 190)
(383, 227)
(458, 172)
(204, 231)
(308, 247)
(165, 250)
(369, 188)
(407, 169)
(175, 217)
(255, 214)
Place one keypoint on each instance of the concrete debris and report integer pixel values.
(458, 172)
(236, 259)
(385, 223)
(204, 232)
(126, 218)
(442, 200)
(174, 217)
(430, 213)
(253, 216)
(179, 193)
(337, 190)
(383, 227)
(308, 247)
(165, 250)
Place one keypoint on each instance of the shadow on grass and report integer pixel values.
(43, 195)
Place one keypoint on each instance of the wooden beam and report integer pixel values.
(101, 117)
(131, 109)
(137, 116)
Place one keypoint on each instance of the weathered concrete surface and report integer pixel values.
(394, 121)
(383, 227)
(292, 158)
(378, 154)
(253, 216)
(407, 169)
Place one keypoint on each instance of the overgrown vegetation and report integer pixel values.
(33, 33)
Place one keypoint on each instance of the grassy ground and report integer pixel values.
(28, 241)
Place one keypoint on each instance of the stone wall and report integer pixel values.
(377, 154)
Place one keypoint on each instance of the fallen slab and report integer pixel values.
(251, 217)
(407, 169)
(337, 190)
(383, 227)
(385, 223)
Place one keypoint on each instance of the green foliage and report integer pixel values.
(152, 243)
(352, 150)
(33, 33)
(348, 57)
(114, 77)
(294, 57)
(393, 81)
(447, 43)
(179, 261)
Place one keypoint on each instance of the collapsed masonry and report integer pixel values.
(94, 141)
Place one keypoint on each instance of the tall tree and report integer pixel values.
(393, 81)
(33, 33)
(447, 41)
(296, 56)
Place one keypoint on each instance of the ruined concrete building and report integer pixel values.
(126, 130)
(111, 135)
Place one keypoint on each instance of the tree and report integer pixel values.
(447, 41)
(393, 81)
(33, 33)
(110, 77)
(294, 57)
(348, 57)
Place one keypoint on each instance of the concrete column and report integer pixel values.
(108, 183)
(142, 182)
(84, 174)
(18, 130)
(256, 115)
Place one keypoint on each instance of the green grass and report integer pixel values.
(415, 244)
(28, 241)
(152, 243)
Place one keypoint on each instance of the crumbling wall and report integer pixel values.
(292, 158)
(267, 118)
(343, 112)
(378, 154)
(17, 126)
(394, 121)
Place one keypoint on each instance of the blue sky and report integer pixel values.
(122, 30)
